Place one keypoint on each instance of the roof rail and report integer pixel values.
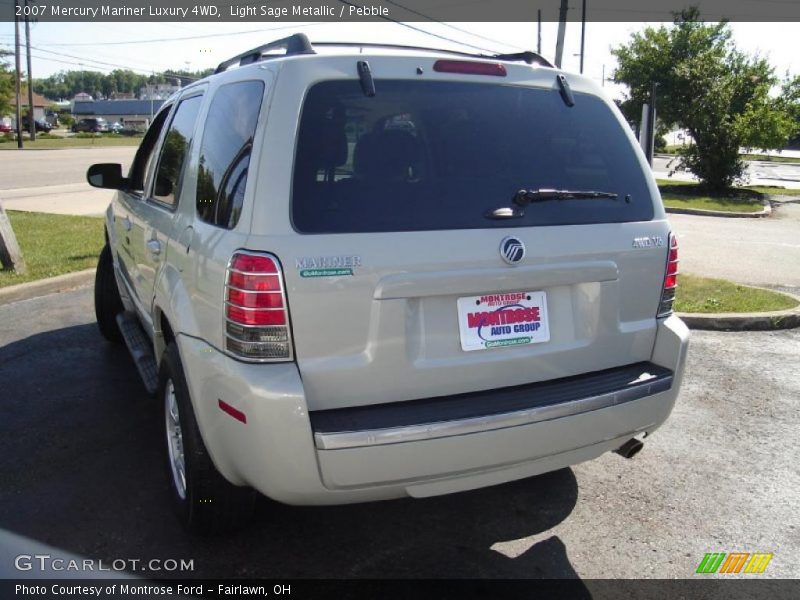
(299, 44)
(294, 44)
(528, 56)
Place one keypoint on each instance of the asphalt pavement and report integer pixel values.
(54, 181)
(80, 462)
(759, 172)
(752, 251)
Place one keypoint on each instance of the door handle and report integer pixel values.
(127, 224)
(155, 247)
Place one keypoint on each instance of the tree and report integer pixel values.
(6, 84)
(707, 86)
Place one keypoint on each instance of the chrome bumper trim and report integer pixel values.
(341, 440)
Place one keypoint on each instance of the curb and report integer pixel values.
(765, 212)
(763, 321)
(43, 287)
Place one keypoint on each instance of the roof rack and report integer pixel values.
(294, 44)
(298, 44)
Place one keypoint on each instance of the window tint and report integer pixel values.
(174, 150)
(425, 155)
(145, 153)
(225, 152)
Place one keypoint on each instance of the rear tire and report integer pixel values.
(107, 303)
(204, 501)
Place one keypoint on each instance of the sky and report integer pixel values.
(106, 46)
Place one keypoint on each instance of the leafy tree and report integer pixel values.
(707, 86)
(6, 85)
(65, 84)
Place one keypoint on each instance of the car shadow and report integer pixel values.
(80, 455)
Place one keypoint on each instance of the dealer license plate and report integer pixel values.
(507, 319)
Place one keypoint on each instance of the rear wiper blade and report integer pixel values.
(524, 197)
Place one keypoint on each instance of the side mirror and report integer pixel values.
(106, 175)
(163, 187)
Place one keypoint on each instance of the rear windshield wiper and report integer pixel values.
(525, 197)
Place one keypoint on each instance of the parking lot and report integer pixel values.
(80, 461)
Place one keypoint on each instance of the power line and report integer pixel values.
(100, 62)
(83, 60)
(436, 35)
(477, 35)
(189, 37)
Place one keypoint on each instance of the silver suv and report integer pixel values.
(361, 272)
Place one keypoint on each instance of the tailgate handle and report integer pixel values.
(477, 281)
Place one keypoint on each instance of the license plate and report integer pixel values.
(497, 320)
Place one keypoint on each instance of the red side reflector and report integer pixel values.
(236, 414)
(468, 67)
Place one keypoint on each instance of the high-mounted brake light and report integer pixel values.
(468, 67)
(256, 313)
(670, 279)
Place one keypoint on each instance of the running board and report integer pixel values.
(141, 350)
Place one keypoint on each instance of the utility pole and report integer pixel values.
(651, 124)
(562, 29)
(583, 32)
(17, 80)
(31, 119)
(539, 35)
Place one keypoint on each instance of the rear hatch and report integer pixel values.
(415, 273)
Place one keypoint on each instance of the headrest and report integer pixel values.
(390, 154)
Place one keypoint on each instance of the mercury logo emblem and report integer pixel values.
(512, 250)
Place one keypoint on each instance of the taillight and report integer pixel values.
(256, 314)
(670, 279)
(469, 67)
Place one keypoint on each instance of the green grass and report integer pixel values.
(774, 191)
(53, 143)
(690, 195)
(702, 295)
(673, 150)
(673, 186)
(775, 159)
(54, 244)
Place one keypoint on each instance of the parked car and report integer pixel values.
(461, 274)
(39, 124)
(6, 125)
(116, 127)
(92, 125)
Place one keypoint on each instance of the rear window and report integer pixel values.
(423, 155)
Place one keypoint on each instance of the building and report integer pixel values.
(159, 91)
(135, 114)
(40, 104)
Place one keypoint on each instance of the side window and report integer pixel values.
(145, 153)
(225, 152)
(173, 151)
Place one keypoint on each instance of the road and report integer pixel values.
(55, 180)
(81, 469)
(754, 251)
(758, 172)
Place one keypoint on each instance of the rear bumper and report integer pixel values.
(278, 452)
